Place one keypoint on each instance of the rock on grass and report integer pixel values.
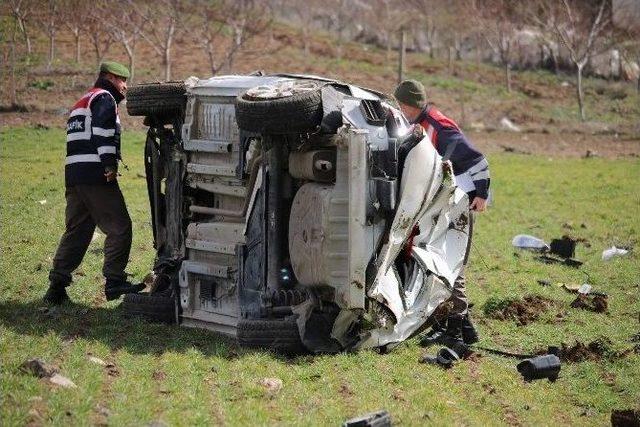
(42, 369)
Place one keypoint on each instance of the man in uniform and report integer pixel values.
(92, 192)
(472, 175)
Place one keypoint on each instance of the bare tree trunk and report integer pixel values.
(27, 39)
(166, 61)
(638, 83)
(130, 49)
(388, 53)
(305, 40)
(554, 58)
(580, 92)
(507, 75)
(23, 29)
(401, 59)
(51, 50)
(96, 50)
(51, 31)
(212, 58)
(76, 36)
(450, 59)
(14, 91)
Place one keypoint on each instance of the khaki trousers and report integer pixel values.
(88, 206)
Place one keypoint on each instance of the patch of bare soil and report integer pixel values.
(595, 303)
(580, 352)
(522, 311)
(560, 144)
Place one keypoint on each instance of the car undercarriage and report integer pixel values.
(295, 213)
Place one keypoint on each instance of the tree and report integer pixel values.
(388, 16)
(76, 13)
(227, 26)
(50, 20)
(125, 27)
(162, 18)
(21, 11)
(95, 27)
(306, 13)
(499, 20)
(626, 20)
(583, 28)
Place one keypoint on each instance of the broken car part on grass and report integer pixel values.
(374, 419)
(282, 206)
(560, 251)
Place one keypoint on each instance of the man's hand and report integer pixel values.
(478, 204)
(110, 174)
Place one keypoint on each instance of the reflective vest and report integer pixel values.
(93, 138)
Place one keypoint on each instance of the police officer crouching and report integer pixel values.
(92, 192)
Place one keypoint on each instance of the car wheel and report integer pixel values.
(157, 308)
(279, 335)
(157, 99)
(292, 106)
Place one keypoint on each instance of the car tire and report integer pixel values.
(157, 99)
(157, 308)
(297, 113)
(279, 335)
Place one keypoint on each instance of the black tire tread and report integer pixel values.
(281, 336)
(295, 114)
(156, 99)
(153, 308)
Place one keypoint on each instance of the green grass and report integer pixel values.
(181, 376)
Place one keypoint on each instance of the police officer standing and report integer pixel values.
(92, 192)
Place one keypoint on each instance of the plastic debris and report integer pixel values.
(507, 124)
(613, 252)
(536, 368)
(374, 419)
(585, 289)
(447, 356)
(525, 241)
(43, 201)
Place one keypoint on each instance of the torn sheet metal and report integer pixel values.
(428, 198)
(421, 180)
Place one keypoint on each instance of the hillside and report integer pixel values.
(473, 93)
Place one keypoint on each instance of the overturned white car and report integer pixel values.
(295, 213)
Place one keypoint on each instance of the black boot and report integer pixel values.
(56, 294)
(469, 332)
(114, 288)
(434, 335)
(453, 335)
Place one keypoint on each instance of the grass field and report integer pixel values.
(178, 376)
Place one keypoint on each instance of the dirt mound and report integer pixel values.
(522, 311)
(579, 352)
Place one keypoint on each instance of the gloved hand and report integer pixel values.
(111, 172)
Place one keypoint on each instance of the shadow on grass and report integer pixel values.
(109, 326)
